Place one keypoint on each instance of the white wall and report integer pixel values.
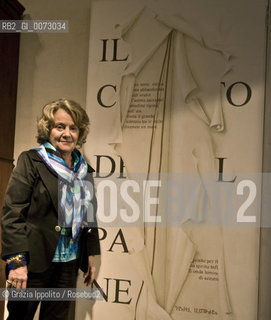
(51, 65)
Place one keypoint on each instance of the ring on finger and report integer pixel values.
(9, 282)
(14, 284)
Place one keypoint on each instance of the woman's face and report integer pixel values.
(64, 134)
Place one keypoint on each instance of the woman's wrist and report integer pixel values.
(16, 261)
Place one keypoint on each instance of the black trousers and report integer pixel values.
(59, 275)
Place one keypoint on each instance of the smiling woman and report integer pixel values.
(76, 112)
(64, 123)
(64, 134)
(46, 236)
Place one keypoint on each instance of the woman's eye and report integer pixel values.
(73, 128)
(59, 127)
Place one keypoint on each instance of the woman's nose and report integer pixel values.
(67, 132)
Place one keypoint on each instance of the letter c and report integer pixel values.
(99, 95)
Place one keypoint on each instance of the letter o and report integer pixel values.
(229, 96)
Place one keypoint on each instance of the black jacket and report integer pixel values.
(30, 218)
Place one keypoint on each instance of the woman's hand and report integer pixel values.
(90, 274)
(18, 277)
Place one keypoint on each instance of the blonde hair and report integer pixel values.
(46, 121)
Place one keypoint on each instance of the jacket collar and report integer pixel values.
(49, 176)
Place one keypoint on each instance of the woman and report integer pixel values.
(49, 228)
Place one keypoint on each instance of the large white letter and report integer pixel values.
(148, 200)
(111, 200)
(130, 201)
